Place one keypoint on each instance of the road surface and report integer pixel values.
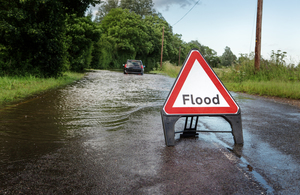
(103, 135)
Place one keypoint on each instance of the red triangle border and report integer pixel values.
(181, 78)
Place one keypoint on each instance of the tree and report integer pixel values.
(33, 33)
(89, 14)
(228, 58)
(209, 54)
(127, 34)
(81, 33)
(104, 9)
(140, 7)
(155, 24)
(177, 46)
(77, 7)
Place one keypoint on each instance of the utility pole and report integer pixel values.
(179, 56)
(258, 34)
(162, 47)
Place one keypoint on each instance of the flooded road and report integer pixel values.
(103, 135)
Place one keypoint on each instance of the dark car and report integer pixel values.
(134, 67)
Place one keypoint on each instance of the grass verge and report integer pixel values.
(167, 69)
(16, 88)
(267, 88)
(273, 79)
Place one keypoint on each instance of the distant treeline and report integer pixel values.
(45, 38)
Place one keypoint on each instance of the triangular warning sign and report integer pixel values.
(198, 91)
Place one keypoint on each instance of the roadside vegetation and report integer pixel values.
(275, 77)
(16, 88)
(167, 69)
(46, 38)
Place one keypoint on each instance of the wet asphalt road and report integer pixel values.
(103, 135)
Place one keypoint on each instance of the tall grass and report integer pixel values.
(267, 88)
(168, 69)
(274, 78)
(268, 72)
(15, 88)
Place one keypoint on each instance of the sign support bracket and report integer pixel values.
(190, 130)
(170, 120)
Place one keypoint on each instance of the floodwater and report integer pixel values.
(103, 135)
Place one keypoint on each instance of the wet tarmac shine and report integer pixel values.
(103, 135)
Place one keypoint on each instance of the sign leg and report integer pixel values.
(169, 128)
(236, 126)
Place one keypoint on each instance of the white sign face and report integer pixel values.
(199, 91)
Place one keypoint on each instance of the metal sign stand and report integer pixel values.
(191, 130)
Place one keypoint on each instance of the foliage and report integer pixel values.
(141, 35)
(278, 58)
(228, 58)
(275, 77)
(104, 9)
(107, 52)
(140, 7)
(155, 24)
(78, 7)
(33, 35)
(274, 69)
(177, 49)
(81, 33)
(44, 38)
(126, 34)
(209, 54)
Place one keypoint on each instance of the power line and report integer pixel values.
(186, 13)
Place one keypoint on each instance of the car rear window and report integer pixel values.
(134, 63)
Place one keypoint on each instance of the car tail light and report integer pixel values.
(142, 66)
(125, 66)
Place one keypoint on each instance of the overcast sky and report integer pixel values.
(232, 23)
